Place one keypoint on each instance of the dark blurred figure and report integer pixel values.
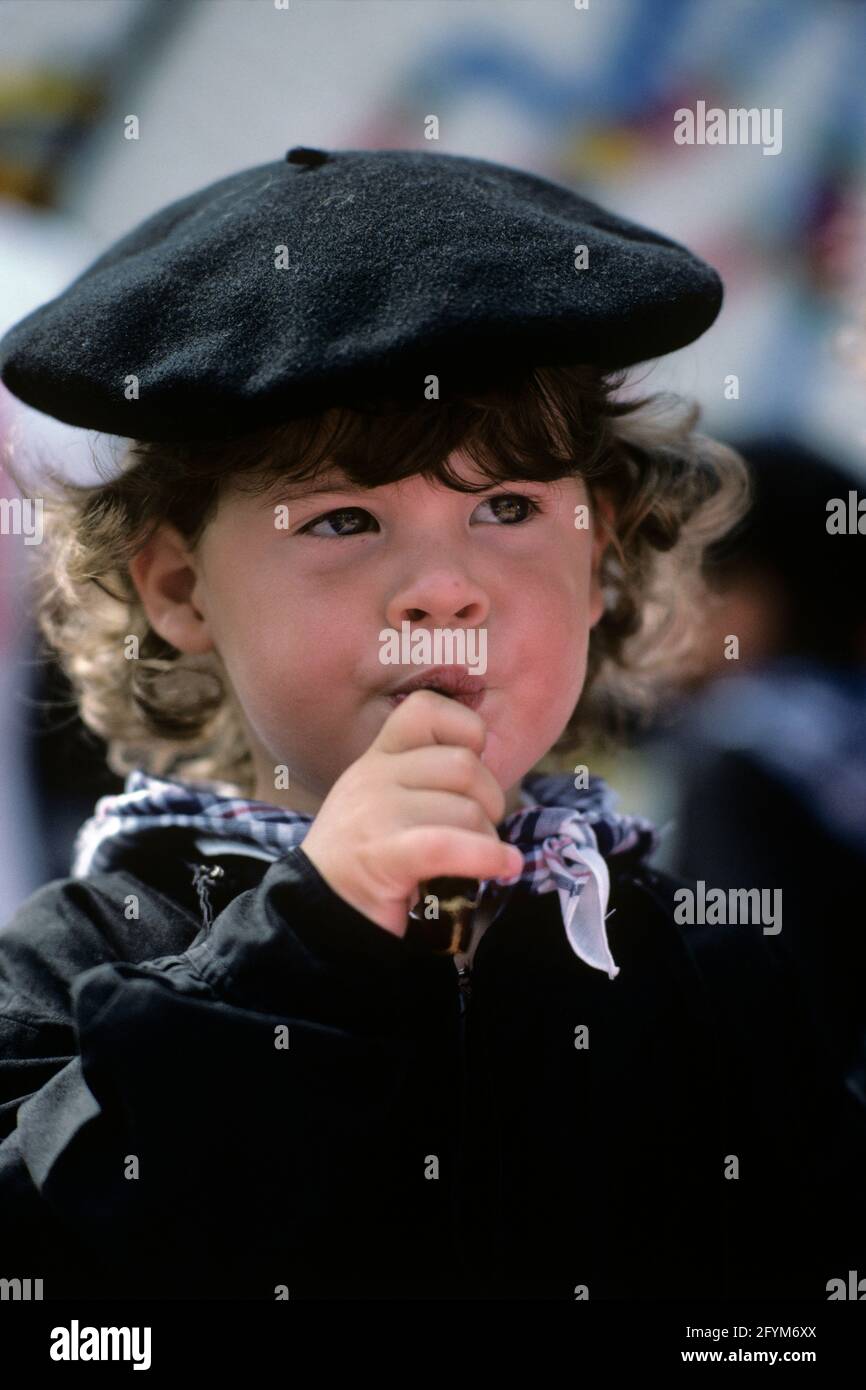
(768, 755)
(786, 585)
(792, 706)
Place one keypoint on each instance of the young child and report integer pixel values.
(372, 395)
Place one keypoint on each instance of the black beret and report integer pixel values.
(328, 276)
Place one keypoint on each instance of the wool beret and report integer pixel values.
(331, 276)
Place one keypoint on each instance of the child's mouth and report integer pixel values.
(471, 698)
(452, 682)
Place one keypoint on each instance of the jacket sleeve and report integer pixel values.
(230, 1120)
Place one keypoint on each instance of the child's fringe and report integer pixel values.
(172, 714)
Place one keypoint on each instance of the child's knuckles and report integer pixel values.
(488, 792)
(462, 767)
(479, 820)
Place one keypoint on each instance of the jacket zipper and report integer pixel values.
(464, 994)
(200, 878)
(464, 984)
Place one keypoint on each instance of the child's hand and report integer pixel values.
(418, 804)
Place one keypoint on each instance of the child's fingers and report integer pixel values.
(425, 852)
(426, 717)
(451, 768)
(421, 806)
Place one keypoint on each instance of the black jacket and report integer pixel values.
(159, 1139)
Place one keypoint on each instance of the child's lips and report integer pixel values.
(471, 698)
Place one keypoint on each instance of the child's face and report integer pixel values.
(296, 613)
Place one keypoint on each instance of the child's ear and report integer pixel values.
(604, 516)
(165, 574)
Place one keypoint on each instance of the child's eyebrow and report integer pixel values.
(308, 490)
(331, 483)
(313, 487)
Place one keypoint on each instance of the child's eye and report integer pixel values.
(511, 498)
(335, 517)
(338, 513)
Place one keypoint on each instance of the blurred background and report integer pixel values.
(586, 96)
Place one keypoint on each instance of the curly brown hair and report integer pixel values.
(674, 492)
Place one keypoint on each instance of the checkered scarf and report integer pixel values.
(565, 834)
